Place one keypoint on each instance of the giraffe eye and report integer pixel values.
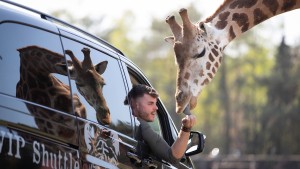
(202, 27)
(200, 54)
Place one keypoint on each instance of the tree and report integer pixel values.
(281, 113)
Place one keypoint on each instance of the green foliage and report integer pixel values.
(281, 112)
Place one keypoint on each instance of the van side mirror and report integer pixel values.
(195, 143)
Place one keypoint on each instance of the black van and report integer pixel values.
(61, 99)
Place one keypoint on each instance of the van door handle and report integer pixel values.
(147, 161)
(133, 156)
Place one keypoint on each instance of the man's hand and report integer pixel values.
(180, 145)
(188, 122)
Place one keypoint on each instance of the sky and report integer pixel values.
(144, 10)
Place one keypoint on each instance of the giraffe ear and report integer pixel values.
(101, 67)
(170, 39)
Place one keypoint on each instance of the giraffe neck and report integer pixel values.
(234, 17)
(41, 61)
(33, 66)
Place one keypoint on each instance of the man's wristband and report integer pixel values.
(185, 129)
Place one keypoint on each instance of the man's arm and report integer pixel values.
(158, 145)
(179, 146)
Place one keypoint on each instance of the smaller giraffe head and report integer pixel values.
(198, 56)
(89, 83)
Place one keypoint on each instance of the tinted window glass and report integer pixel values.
(28, 66)
(101, 89)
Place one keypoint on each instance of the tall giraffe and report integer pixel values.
(199, 47)
(37, 62)
(38, 84)
(89, 83)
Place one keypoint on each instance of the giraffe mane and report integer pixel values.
(220, 8)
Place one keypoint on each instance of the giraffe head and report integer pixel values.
(198, 56)
(89, 83)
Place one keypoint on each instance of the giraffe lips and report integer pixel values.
(188, 104)
(193, 102)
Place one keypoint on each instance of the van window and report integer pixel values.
(101, 90)
(28, 57)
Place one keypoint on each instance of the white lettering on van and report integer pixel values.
(2, 140)
(49, 159)
(20, 143)
(19, 140)
(41, 155)
(10, 143)
(53, 158)
(45, 156)
(36, 152)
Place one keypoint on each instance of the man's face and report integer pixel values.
(146, 107)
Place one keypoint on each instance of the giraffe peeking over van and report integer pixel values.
(199, 47)
(37, 62)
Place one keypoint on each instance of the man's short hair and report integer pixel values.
(138, 91)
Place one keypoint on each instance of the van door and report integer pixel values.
(106, 132)
(37, 124)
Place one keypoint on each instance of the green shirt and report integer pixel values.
(157, 145)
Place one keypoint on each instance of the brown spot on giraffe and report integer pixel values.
(241, 20)
(210, 75)
(201, 73)
(187, 75)
(217, 65)
(185, 84)
(271, 5)
(205, 82)
(211, 58)
(231, 33)
(208, 65)
(213, 70)
(242, 4)
(215, 52)
(222, 23)
(288, 5)
(196, 81)
(259, 16)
